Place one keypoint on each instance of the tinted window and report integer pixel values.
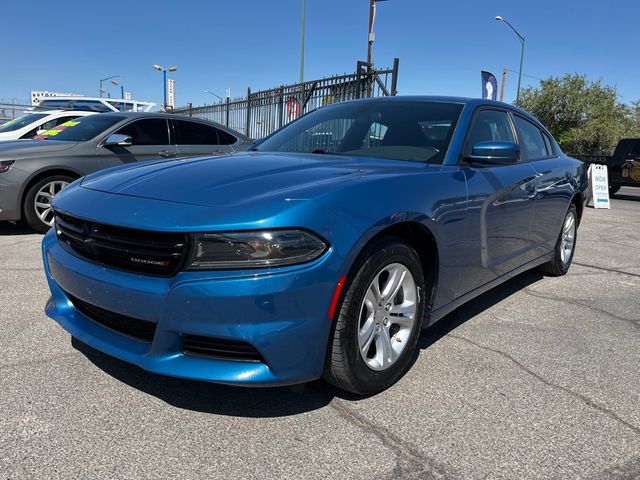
(398, 130)
(226, 138)
(149, 131)
(489, 126)
(18, 123)
(636, 148)
(192, 133)
(549, 144)
(531, 139)
(84, 128)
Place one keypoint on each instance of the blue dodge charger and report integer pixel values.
(322, 252)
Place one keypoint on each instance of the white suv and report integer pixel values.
(35, 123)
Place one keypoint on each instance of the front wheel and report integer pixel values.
(613, 189)
(377, 327)
(565, 246)
(37, 208)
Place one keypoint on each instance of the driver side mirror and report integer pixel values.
(494, 153)
(117, 140)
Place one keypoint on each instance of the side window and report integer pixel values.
(549, 144)
(193, 133)
(489, 126)
(531, 139)
(149, 131)
(226, 138)
(635, 150)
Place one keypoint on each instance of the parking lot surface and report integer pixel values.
(538, 378)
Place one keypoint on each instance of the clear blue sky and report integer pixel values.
(442, 45)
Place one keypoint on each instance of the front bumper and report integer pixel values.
(10, 188)
(283, 314)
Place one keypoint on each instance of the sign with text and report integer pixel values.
(598, 186)
(171, 93)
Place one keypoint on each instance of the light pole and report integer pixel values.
(372, 35)
(214, 94)
(521, 38)
(304, 14)
(101, 90)
(164, 71)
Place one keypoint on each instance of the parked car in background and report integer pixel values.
(96, 104)
(322, 252)
(623, 167)
(32, 172)
(37, 122)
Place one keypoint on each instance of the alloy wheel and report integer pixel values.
(44, 197)
(568, 240)
(387, 316)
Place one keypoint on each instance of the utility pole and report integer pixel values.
(504, 80)
(372, 36)
(304, 14)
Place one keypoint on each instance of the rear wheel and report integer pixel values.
(613, 189)
(38, 212)
(565, 246)
(379, 321)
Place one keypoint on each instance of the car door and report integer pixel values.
(501, 201)
(200, 139)
(150, 139)
(553, 185)
(630, 169)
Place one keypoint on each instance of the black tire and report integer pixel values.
(30, 215)
(557, 266)
(344, 365)
(613, 189)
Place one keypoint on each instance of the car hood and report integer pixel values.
(23, 148)
(242, 178)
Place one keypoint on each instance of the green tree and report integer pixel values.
(585, 117)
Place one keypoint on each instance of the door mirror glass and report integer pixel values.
(494, 153)
(117, 140)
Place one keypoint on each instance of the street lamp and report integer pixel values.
(500, 19)
(101, 90)
(164, 71)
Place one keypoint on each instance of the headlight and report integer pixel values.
(254, 249)
(5, 165)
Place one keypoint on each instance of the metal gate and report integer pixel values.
(261, 113)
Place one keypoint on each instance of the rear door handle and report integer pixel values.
(165, 153)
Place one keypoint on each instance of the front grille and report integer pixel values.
(220, 348)
(139, 251)
(133, 327)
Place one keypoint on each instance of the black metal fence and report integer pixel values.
(261, 113)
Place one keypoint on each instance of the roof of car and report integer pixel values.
(472, 102)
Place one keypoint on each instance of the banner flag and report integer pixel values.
(489, 85)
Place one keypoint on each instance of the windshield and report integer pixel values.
(81, 129)
(400, 130)
(16, 124)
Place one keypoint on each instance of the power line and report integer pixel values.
(524, 74)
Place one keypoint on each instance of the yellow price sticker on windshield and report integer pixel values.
(51, 132)
(70, 123)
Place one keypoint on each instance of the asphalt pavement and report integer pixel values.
(538, 378)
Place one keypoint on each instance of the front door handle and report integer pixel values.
(165, 153)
